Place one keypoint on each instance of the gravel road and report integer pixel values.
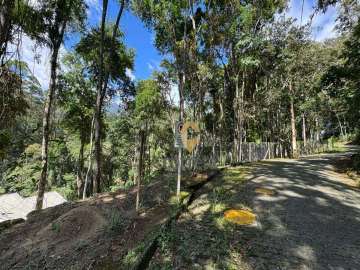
(313, 219)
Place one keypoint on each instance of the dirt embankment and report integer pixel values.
(88, 234)
(103, 232)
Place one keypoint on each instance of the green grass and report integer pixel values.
(55, 227)
(202, 238)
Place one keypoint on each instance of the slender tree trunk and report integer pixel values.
(80, 175)
(293, 129)
(317, 138)
(340, 125)
(98, 107)
(181, 118)
(303, 128)
(142, 138)
(90, 158)
(6, 7)
(46, 130)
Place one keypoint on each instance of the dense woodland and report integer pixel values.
(243, 70)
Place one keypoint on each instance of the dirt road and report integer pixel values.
(311, 222)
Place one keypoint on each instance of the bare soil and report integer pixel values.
(93, 234)
(103, 232)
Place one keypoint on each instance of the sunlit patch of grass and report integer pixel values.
(133, 256)
(202, 238)
(174, 200)
(218, 207)
(220, 223)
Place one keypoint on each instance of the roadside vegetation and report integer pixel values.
(251, 77)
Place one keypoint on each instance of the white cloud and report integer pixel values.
(150, 66)
(153, 65)
(94, 7)
(322, 25)
(37, 59)
(130, 74)
(174, 94)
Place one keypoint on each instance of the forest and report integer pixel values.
(238, 151)
(243, 70)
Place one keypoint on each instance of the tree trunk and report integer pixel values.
(98, 108)
(6, 7)
(142, 138)
(340, 125)
(80, 176)
(317, 136)
(90, 158)
(46, 130)
(293, 129)
(181, 118)
(303, 129)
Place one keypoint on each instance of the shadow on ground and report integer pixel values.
(311, 222)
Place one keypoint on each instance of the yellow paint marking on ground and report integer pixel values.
(265, 191)
(240, 217)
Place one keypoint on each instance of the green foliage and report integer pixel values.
(149, 103)
(117, 58)
(24, 175)
(76, 96)
(12, 97)
(55, 227)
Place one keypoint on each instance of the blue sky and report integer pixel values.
(136, 36)
(139, 38)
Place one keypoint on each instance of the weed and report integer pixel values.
(55, 227)
(116, 222)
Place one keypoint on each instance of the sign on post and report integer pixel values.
(178, 138)
(187, 135)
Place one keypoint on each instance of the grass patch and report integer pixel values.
(116, 222)
(133, 256)
(202, 238)
(55, 227)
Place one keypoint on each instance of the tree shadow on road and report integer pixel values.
(311, 222)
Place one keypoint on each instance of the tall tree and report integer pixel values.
(109, 54)
(77, 97)
(173, 25)
(58, 16)
(103, 78)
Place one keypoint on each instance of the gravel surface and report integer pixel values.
(313, 219)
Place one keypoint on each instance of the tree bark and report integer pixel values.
(293, 129)
(142, 138)
(181, 118)
(98, 107)
(46, 130)
(303, 128)
(317, 132)
(6, 7)
(90, 158)
(80, 175)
